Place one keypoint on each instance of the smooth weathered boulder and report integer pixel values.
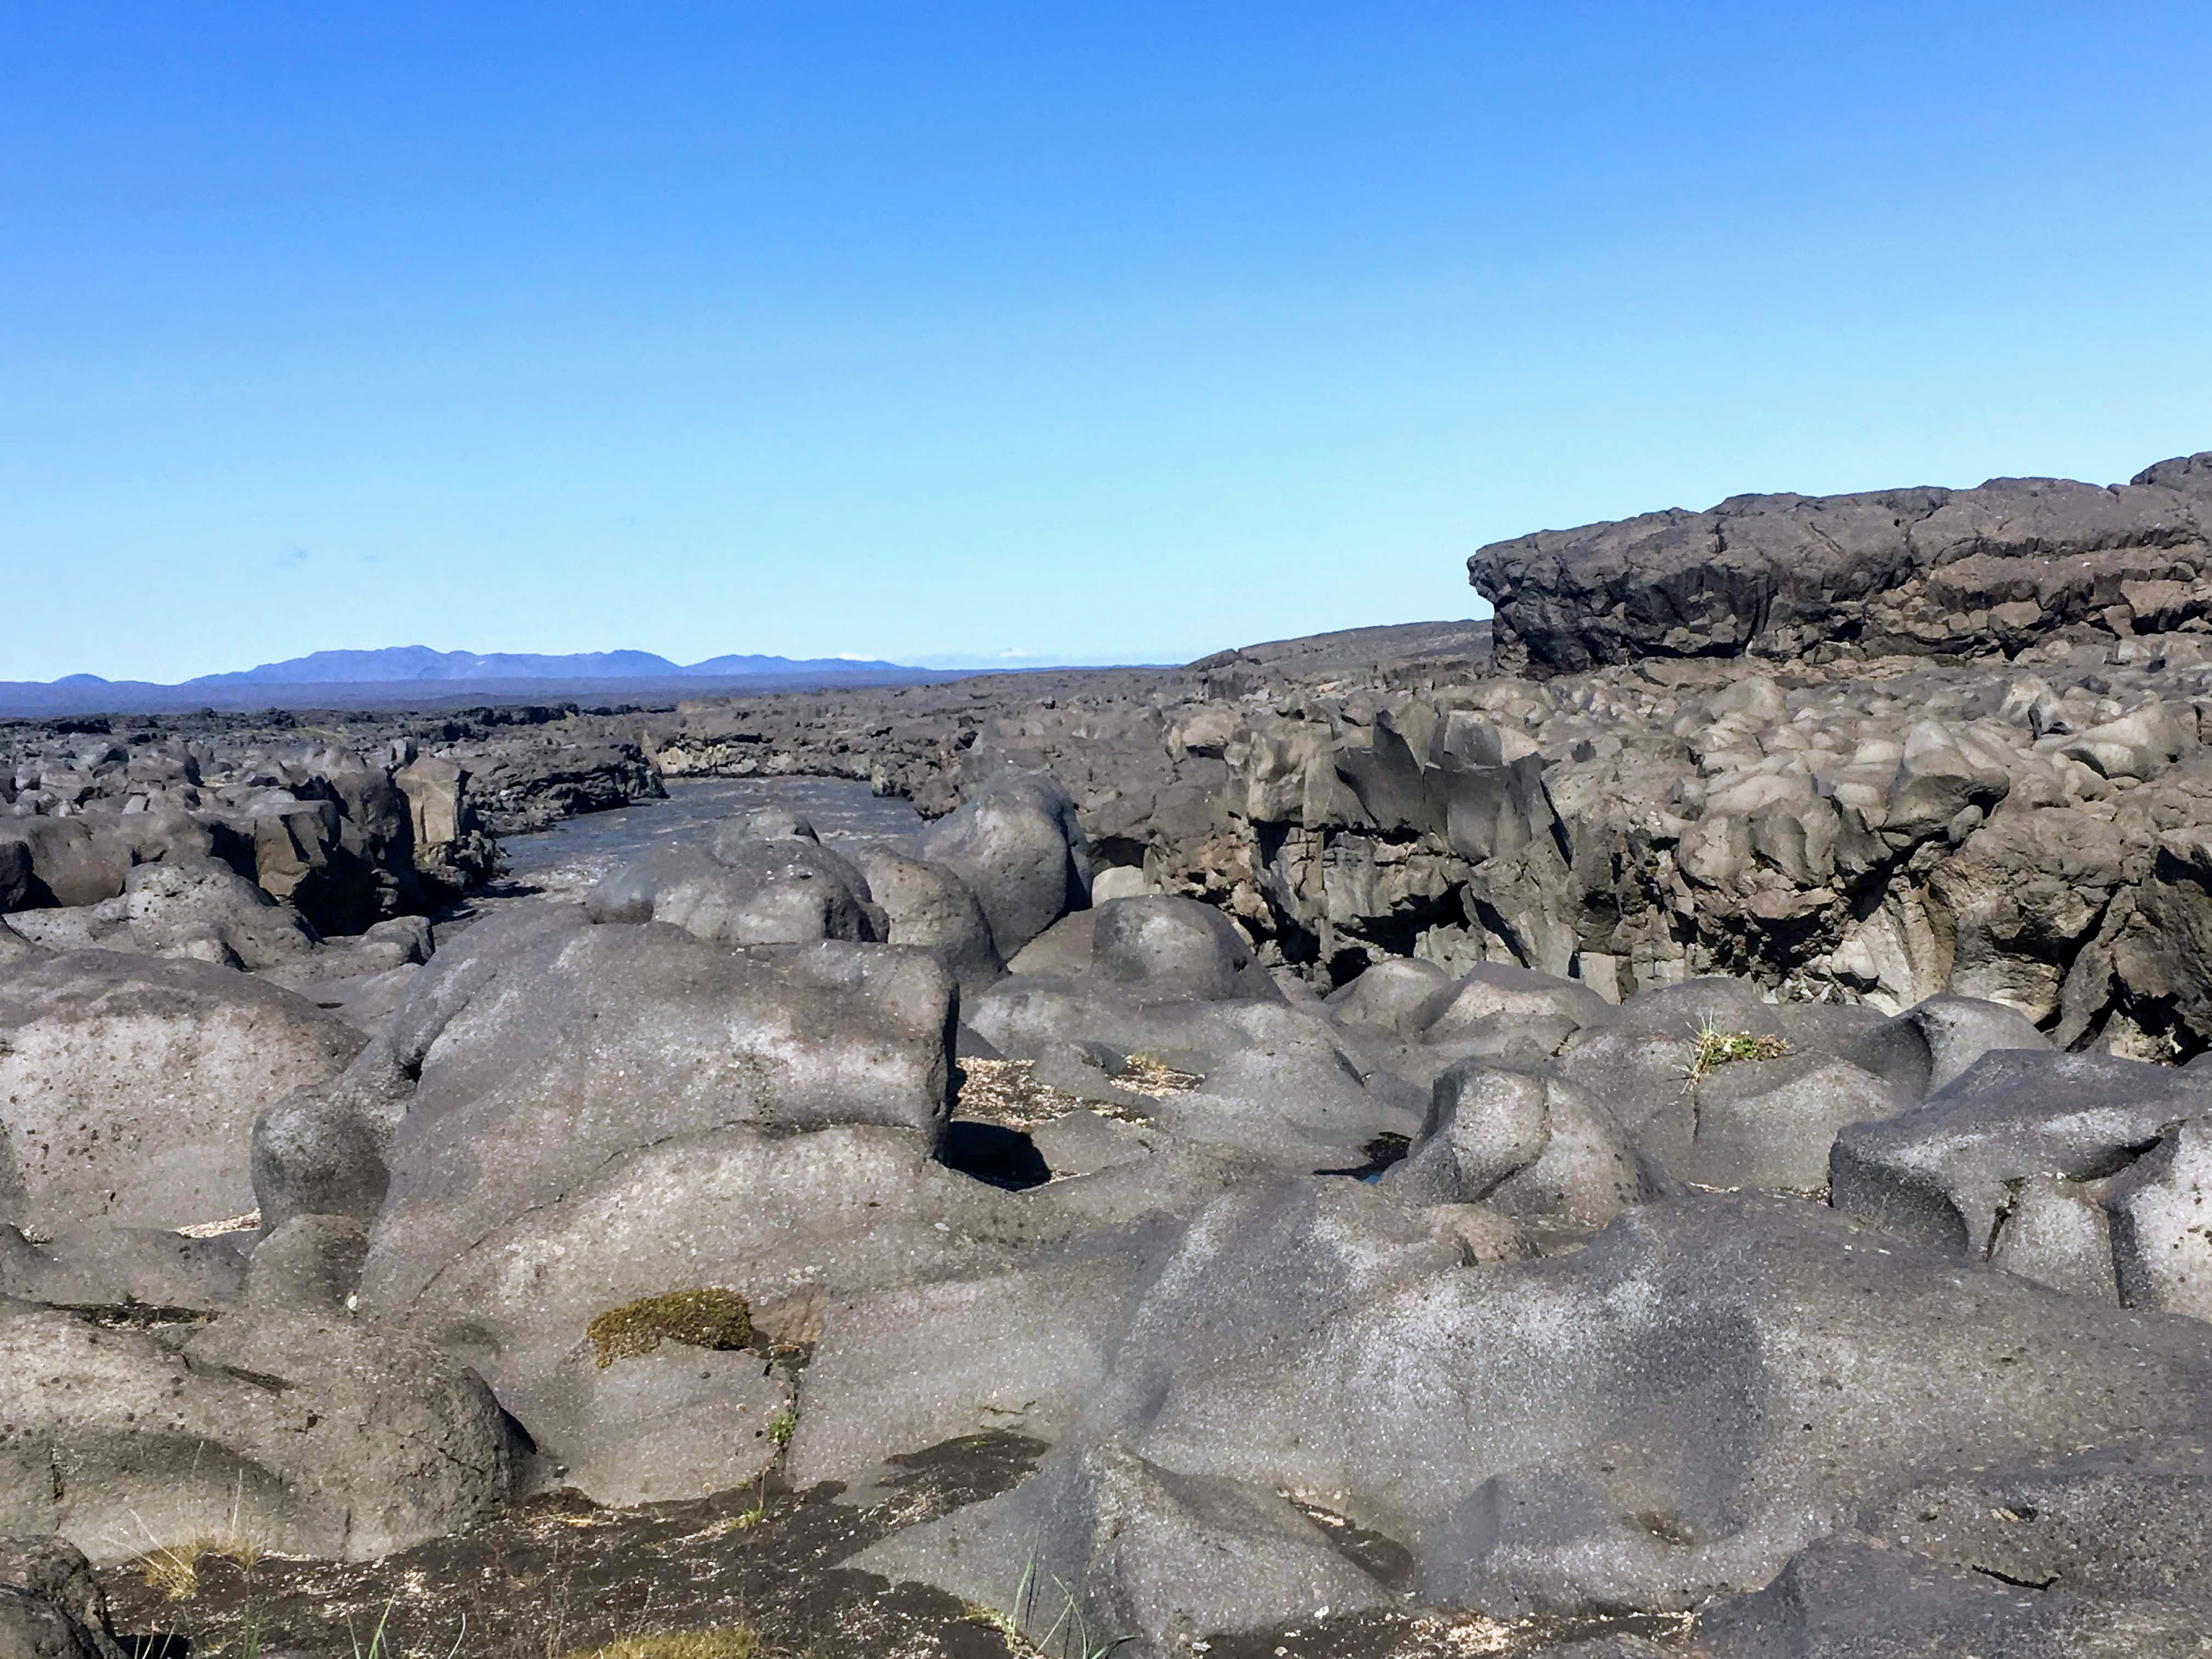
(2131, 1522)
(1281, 1085)
(321, 1149)
(744, 889)
(128, 1086)
(1118, 1527)
(787, 1221)
(14, 946)
(1172, 949)
(1532, 1147)
(1391, 996)
(311, 1263)
(1061, 952)
(16, 874)
(1165, 1558)
(543, 1046)
(2058, 1234)
(1850, 1597)
(690, 1414)
(1018, 847)
(1772, 1122)
(1301, 1106)
(128, 1267)
(1660, 1418)
(926, 905)
(1933, 1042)
(595, 1115)
(913, 1365)
(1943, 1174)
(52, 1605)
(204, 909)
(1501, 990)
(2160, 1210)
(72, 861)
(307, 1435)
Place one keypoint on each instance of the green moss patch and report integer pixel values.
(704, 1318)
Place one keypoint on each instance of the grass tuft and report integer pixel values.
(1716, 1048)
(737, 1641)
(749, 1516)
(706, 1318)
(384, 1646)
(174, 1569)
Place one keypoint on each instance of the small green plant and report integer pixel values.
(378, 1648)
(709, 1317)
(750, 1517)
(781, 1425)
(1068, 1629)
(1716, 1048)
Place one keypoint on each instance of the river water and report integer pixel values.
(565, 861)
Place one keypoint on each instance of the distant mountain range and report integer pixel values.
(399, 665)
(409, 674)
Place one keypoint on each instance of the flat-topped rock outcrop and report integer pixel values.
(1974, 571)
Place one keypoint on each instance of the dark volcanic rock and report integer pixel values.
(1964, 571)
(1335, 1198)
(51, 1606)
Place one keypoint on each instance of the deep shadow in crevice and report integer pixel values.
(1382, 1151)
(991, 1152)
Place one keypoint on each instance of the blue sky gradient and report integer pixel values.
(1108, 334)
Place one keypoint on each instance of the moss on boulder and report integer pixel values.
(709, 1317)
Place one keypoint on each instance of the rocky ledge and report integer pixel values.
(1959, 571)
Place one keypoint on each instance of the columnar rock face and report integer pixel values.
(340, 837)
(1859, 832)
(1969, 572)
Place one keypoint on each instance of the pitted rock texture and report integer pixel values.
(1965, 572)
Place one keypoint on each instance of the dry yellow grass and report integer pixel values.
(737, 1641)
(1007, 1091)
(174, 1569)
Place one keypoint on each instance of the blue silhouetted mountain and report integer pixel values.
(399, 665)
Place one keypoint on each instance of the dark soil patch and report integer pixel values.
(561, 1576)
(1428, 1634)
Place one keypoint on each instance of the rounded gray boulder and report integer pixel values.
(1018, 847)
(1169, 949)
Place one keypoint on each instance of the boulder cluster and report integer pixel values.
(1714, 1135)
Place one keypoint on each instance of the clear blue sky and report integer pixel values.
(1112, 332)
